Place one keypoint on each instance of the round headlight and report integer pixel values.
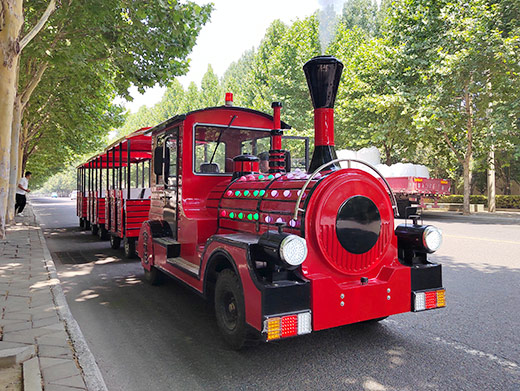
(432, 238)
(293, 250)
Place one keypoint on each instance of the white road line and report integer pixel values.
(466, 349)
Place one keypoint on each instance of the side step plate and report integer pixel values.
(185, 266)
(173, 247)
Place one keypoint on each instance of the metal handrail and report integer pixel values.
(302, 191)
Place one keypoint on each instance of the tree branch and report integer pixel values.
(36, 29)
(458, 155)
(33, 83)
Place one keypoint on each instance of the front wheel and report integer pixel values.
(94, 228)
(82, 223)
(230, 309)
(129, 246)
(115, 242)
(152, 276)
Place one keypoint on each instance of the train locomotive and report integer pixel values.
(280, 252)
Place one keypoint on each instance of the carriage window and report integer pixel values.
(216, 146)
(171, 144)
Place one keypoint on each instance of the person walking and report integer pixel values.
(21, 191)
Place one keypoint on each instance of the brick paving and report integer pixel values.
(29, 316)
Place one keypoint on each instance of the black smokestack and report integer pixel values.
(323, 74)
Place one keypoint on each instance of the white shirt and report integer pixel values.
(24, 182)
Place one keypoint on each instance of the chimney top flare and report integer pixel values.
(323, 74)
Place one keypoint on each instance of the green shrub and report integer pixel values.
(502, 201)
(508, 201)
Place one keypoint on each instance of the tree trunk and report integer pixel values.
(14, 167)
(388, 154)
(469, 147)
(11, 22)
(491, 181)
(467, 184)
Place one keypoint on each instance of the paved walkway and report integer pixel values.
(36, 326)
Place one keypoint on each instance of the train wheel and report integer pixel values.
(94, 228)
(81, 223)
(115, 242)
(102, 233)
(230, 309)
(153, 276)
(129, 246)
(87, 224)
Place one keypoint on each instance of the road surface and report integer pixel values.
(165, 337)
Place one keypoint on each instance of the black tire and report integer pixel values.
(87, 225)
(153, 276)
(230, 309)
(103, 233)
(94, 228)
(82, 223)
(129, 247)
(115, 242)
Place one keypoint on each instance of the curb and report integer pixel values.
(91, 374)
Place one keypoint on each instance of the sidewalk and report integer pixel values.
(36, 326)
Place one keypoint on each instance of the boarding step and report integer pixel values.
(173, 247)
(185, 266)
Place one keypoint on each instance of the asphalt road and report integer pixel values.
(165, 337)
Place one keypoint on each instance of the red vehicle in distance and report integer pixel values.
(285, 252)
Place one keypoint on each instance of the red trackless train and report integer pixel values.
(114, 190)
(280, 252)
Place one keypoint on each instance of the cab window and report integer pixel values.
(217, 145)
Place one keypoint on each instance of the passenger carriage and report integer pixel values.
(114, 190)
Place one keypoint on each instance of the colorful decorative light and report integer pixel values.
(240, 215)
(232, 215)
(223, 213)
(262, 192)
(274, 193)
(246, 193)
(287, 193)
(237, 193)
(255, 193)
(250, 217)
(255, 216)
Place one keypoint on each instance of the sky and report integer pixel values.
(235, 26)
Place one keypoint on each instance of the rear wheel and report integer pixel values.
(82, 222)
(87, 224)
(230, 309)
(129, 246)
(94, 229)
(115, 242)
(102, 233)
